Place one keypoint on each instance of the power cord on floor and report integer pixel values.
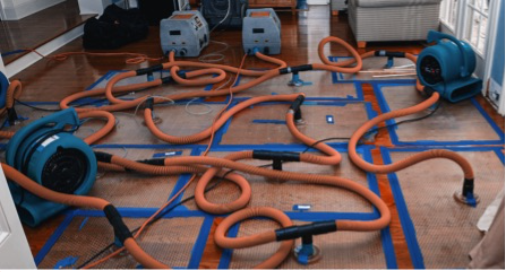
(212, 187)
(167, 211)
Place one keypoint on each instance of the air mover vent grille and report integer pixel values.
(431, 70)
(65, 170)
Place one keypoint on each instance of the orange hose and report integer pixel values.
(148, 116)
(109, 126)
(384, 169)
(13, 92)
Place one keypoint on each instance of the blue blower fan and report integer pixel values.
(4, 85)
(447, 67)
(47, 152)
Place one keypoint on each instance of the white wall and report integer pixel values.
(18, 9)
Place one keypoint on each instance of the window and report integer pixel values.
(448, 13)
(475, 25)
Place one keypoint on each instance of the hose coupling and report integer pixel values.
(12, 116)
(154, 161)
(296, 107)
(103, 157)
(296, 69)
(466, 195)
(148, 70)
(121, 231)
(278, 157)
(150, 103)
(166, 80)
(315, 228)
(384, 53)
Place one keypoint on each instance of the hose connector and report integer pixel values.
(166, 80)
(144, 71)
(103, 157)
(315, 228)
(296, 69)
(278, 157)
(121, 231)
(296, 107)
(384, 53)
(150, 103)
(154, 161)
(466, 195)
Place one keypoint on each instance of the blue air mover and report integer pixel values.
(4, 85)
(47, 152)
(447, 67)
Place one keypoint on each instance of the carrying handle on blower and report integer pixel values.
(435, 36)
(59, 121)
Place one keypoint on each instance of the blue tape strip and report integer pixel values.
(269, 121)
(54, 237)
(66, 263)
(384, 106)
(405, 219)
(201, 242)
(83, 223)
(224, 262)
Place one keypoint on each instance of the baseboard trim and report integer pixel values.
(29, 59)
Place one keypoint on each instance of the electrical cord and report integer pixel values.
(437, 106)
(165, 212)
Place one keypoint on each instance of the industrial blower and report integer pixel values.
(261, 32)
(447, 67)
(47, 152)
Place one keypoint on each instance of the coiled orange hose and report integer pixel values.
(200, 164)
(383, 169)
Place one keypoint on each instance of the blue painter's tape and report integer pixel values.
(224, 262)
(392, 123)
(54, 237)
(66, 263)
(405, 219)
(83, 223)
(201, 242)
(501, 156)
(330, 119)
(268, 121)
(167, 154)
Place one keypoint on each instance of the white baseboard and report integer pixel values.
(27, 8)
(318, 2)
(27, 60)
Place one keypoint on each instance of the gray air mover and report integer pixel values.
(261, 32)
(48, 153)
(447, 67)
(185, 32)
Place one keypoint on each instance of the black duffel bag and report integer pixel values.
(115, 28)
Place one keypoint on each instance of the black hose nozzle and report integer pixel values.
(468, 186)
(384, 53)
(103, 157)
(144, 71)
(296, 107)
(150, 103)
(315, 228)
(154, 161)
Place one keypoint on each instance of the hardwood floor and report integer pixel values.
(39, 28)
(301, 33)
